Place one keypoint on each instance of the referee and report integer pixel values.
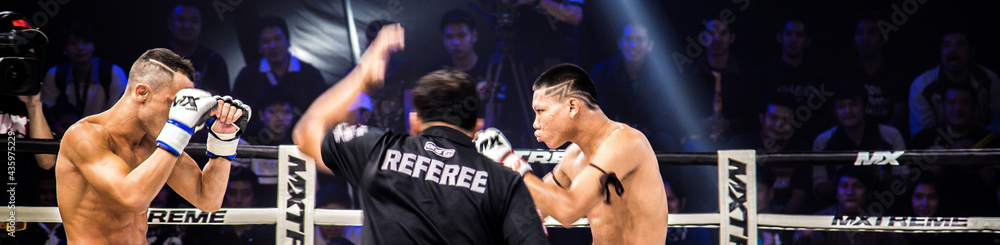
(429, 188)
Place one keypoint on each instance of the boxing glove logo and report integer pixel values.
(187, 101)
(490, 143)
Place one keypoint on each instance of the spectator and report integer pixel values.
(775, 134)
(792, 186)
(629, 91)
(794, 72)
(855, 186)
(184, 23)
(927, 199)
(676, 200)
(854, 132)
(884, 78)
(239, 194)
(726, 92)
(86, 83)
(275, 128)
(958, 130)
(458, 31)
(276, 119)
(956, 67)
(967, 185)
(279, 69)
(335, 197)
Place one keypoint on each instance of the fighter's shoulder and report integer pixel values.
(626, 143)
(627, 137)
(85, 135)
(573, 150)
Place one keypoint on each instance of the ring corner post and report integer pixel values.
(296, 197)
(737, 197)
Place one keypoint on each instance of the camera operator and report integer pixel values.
(21, 115)
(548, 33)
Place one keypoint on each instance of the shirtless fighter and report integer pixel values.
(111, 165)
(609, 174)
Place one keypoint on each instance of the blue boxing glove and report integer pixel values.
(224, 144)
(191, 108)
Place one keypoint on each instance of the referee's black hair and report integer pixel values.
(447, 96)
(568, 80)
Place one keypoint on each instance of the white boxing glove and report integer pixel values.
(491, 143)
(188, 113)
(224, 145)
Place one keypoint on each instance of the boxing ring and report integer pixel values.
(738, 221)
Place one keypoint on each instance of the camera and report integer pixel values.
(20, 71)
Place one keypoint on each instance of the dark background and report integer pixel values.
(127, 28)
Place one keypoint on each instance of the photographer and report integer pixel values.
(21, 115)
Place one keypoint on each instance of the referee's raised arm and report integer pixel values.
(331, 107)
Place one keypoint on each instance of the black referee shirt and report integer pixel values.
(431, 189)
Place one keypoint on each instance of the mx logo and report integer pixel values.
(490, 143)
(878, 158)
(187, 101)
